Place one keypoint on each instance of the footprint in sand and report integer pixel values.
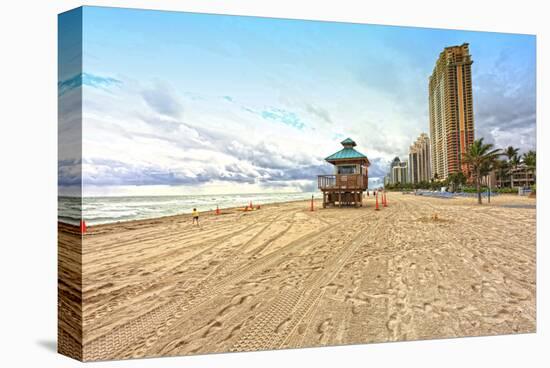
(282, 325)
(213, 327)
(428, 308)
(324, 327)
(231, 333)
(392, 323)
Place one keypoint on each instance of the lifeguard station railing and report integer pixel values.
(338, 182)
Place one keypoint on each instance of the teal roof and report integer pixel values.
(346, 154)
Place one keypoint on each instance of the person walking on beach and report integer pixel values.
(196, 217)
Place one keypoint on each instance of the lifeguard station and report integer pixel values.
(350, 179)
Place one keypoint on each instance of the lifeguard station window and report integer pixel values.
(346, 169)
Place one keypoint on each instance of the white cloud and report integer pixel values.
(151, 134)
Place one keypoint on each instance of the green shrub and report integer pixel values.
(506, 190)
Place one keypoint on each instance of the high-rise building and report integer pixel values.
(451, 111)
(399, 171)
(419, 160)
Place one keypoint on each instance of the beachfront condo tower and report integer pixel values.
(451, 111)
(419, 160)
(399, 171)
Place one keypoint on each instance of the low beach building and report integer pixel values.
(350, 177)
(516, 177)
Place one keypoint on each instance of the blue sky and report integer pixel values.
(177, 103)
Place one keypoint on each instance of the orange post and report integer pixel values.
(385, 200)
(217, 210)
(311, 209)
(251, 207)
(377, 208)
(83, 227)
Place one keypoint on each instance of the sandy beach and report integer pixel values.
(285, 277)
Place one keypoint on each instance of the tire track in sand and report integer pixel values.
(150, 344)
(115, 342)
(134, 291)
(272, 328)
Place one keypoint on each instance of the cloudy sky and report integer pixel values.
(180, 103)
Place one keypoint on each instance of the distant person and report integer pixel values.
(196, 217)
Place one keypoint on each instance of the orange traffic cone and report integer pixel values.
(83, 227)
(385, 200)
(377, 208)
(311, 209)
(217, 210)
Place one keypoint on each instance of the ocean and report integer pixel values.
(105, 210)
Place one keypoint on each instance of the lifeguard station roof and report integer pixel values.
(347, 153)
(349, 141)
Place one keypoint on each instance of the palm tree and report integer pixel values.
(513, 165)
(530, 161)
(512, 154)
(480, 157)
(501, 167)
(456, 180)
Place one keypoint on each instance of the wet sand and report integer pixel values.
(285, 277)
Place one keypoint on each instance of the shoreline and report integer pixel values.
(318, 203)
(228, 210)
(152, 220)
